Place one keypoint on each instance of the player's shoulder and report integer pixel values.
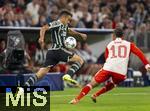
(114, 42)
(126, 42)
(110, 44)
(54, 24)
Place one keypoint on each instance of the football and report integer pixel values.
(70, 42)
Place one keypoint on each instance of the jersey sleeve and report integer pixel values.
(106, 53)
(54, 24)
(139, 53)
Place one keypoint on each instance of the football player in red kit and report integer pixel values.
(117, 56)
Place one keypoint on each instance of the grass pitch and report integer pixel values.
(119, 99)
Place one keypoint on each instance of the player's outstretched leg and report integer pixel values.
(109, 86)
(78, 62)
(40, 74)
(85, 90)
(116, 79)
(33, 79)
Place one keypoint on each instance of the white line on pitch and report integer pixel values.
(70, 95)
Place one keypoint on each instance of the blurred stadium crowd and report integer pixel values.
(86, 13)
(132, 15)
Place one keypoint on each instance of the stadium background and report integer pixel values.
(96, 18)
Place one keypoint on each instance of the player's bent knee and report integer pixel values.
(77, 58)
(81, 61)
(93, 83)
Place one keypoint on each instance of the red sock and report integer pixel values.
(106, 88)
(84, 91)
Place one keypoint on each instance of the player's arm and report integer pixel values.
(106, 53)
(42, 33)
(140, 54)
(77, 34)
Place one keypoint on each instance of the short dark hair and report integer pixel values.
(65, 12)
(118, 32)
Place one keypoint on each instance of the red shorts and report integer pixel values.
(103, 75)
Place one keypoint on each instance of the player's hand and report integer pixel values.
(41, 42)
(147, 67)
(84, 36)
